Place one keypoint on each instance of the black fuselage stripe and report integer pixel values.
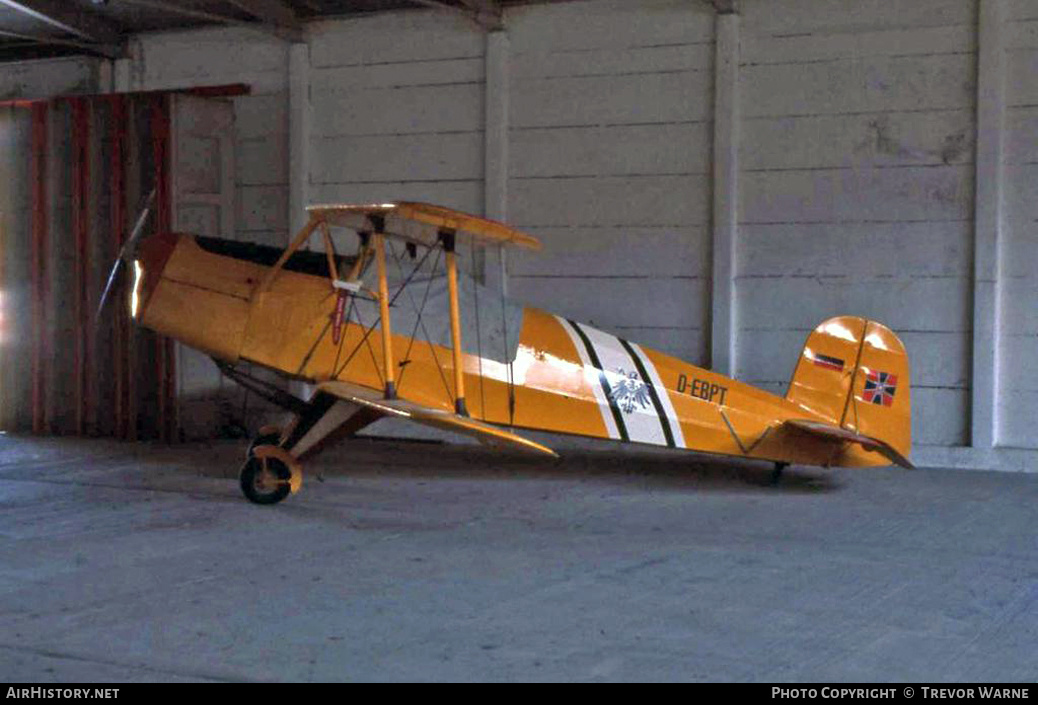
(617, 416)
(664, 420)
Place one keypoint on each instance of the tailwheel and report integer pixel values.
(266, 479)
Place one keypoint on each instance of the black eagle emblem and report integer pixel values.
(629, 392)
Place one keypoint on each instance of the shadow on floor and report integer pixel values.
(649, 468)
(395, 458)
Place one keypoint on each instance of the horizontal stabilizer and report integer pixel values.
(438, 418)
(843, 435)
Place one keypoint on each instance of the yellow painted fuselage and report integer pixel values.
(565, 378)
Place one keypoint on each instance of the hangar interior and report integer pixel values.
(712, 179)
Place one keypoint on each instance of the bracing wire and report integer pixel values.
(420, 322)
(313, 348)
(369, 330)
(362, 253)
(504, 329)
(328, 324)
(342, 339)
(479, 335)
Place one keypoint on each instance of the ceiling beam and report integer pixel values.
(288, 34)
(724, 7)
(485, 13)
(272, 12)
(62, 15)
(111, 51)
(488, 12)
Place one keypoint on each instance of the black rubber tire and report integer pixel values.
(263, 439)
(247, 479)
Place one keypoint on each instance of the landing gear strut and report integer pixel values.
(776, 474)
(266, 436)
(271, 472)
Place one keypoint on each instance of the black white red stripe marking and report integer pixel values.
(634, 404)
(832, 363)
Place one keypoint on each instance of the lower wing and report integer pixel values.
(482, 432)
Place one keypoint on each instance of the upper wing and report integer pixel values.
(422, 223)
(482, 432)
(843, 435)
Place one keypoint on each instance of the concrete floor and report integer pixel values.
(122, 562)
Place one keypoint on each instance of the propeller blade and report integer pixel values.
(108, 289)
(127, 249)
(131, 242)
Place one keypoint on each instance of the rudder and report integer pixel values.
(854, 373)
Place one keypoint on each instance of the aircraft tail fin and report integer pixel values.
(854, 373)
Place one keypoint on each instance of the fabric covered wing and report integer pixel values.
(490, 325)
(482, 432)
(421, 223)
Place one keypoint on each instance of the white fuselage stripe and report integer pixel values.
(639, 413)
(664, 396)
(591, 377)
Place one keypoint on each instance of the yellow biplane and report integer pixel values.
(396, 329)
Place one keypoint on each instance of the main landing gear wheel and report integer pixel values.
(266, 480)
(776, 474)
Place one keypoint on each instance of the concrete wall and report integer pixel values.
(857, 188)
(1018, 348)
(609, 145)
(855, 137)
(47, 77)
(593, 124)
(398, 118)
(223, 56)
(208, 404)
(606, 141)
